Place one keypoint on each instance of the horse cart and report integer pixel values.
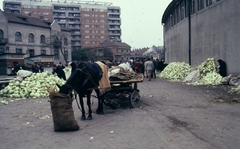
(124, 91)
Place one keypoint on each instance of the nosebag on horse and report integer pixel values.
(88, 77)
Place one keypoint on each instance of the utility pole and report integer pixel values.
(189, 30)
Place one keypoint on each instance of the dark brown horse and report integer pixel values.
(83, 82)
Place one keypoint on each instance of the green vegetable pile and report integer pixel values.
(35, 86)
(206, 67)
(208, 74)
(175, 71)
(211, 78)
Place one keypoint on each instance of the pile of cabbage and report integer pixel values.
(35, 86)
(208, 75)
(175, 71)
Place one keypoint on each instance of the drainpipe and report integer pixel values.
(189, 31)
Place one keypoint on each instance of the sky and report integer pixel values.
(140, 21)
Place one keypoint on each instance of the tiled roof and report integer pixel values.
(107, 43)
(25, 20)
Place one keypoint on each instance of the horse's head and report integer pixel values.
(64, 89)
(76, 80)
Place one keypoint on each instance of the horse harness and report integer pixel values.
(89, 77)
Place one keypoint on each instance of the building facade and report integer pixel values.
(24, 38)
(90, 22)
(195, 30)
(121, 51)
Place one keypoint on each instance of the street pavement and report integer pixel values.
(171, 115)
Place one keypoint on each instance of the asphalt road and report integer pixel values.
(170, 116)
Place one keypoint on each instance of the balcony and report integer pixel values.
(76, 44)
(74, 27)
(114, 33)
(113, 11)
(3, 41)
(114, 28)
(114, 23)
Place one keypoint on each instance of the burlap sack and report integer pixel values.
(62, 112)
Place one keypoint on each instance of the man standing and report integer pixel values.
(148, 66)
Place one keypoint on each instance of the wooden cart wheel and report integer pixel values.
(134, 99)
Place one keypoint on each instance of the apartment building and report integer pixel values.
(90, 22)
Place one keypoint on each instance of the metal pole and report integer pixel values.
(189, 30)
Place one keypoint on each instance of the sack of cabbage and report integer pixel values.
(62, 112)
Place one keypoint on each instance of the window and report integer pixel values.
(18, 50)
(182, 10)
(86, 26)
(43, 52)
(65, 41)
(193, 10)
(27, 12)
(209, 2)
(66, 54)
(7, 49)
(200, 4)
(1, 34)
(26, 6)
(42, 39)
(46, 13)
(56, 54)
(31, 52)
(1, 50)
(18, 36)
(31, 38)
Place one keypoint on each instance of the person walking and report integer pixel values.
(149, 67)
(154, 68)
(137, 66)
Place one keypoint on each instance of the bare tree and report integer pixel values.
(58, 40)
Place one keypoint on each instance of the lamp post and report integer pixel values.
(134, 54)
